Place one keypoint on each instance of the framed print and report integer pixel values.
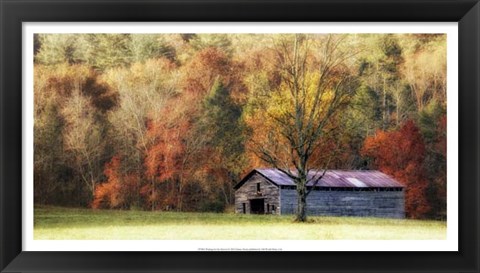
(239, 136)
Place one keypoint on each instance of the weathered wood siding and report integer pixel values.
(249, 191)
(388, 204)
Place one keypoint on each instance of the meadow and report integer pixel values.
(56, 223)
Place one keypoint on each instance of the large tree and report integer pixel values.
(84, 139)
(317, 83)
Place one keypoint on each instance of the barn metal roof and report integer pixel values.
(332, 178)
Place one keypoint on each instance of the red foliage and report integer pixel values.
(440, 179)
(401, 154)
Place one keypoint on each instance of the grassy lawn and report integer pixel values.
(53, 223)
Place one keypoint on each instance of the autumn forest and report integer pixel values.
(171, 122)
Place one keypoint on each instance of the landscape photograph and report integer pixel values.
(240, 136)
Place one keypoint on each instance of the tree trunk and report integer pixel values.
(92, 183)
(302, 201)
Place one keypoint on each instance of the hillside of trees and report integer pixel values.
(174, 121)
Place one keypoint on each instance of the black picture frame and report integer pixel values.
(14, 12)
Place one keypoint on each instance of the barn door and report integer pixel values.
(257, 206)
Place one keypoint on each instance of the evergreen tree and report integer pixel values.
(56, 49)
(225, 130)
(148, 46)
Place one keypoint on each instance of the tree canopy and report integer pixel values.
(174, 121)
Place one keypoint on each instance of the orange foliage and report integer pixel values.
(167, 134)
(401, 154)
(209, 64)
(165, 158)
(264, 60)
(118, 191)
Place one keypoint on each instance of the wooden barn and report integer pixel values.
(338, 193)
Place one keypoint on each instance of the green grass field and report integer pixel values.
(53, 223)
